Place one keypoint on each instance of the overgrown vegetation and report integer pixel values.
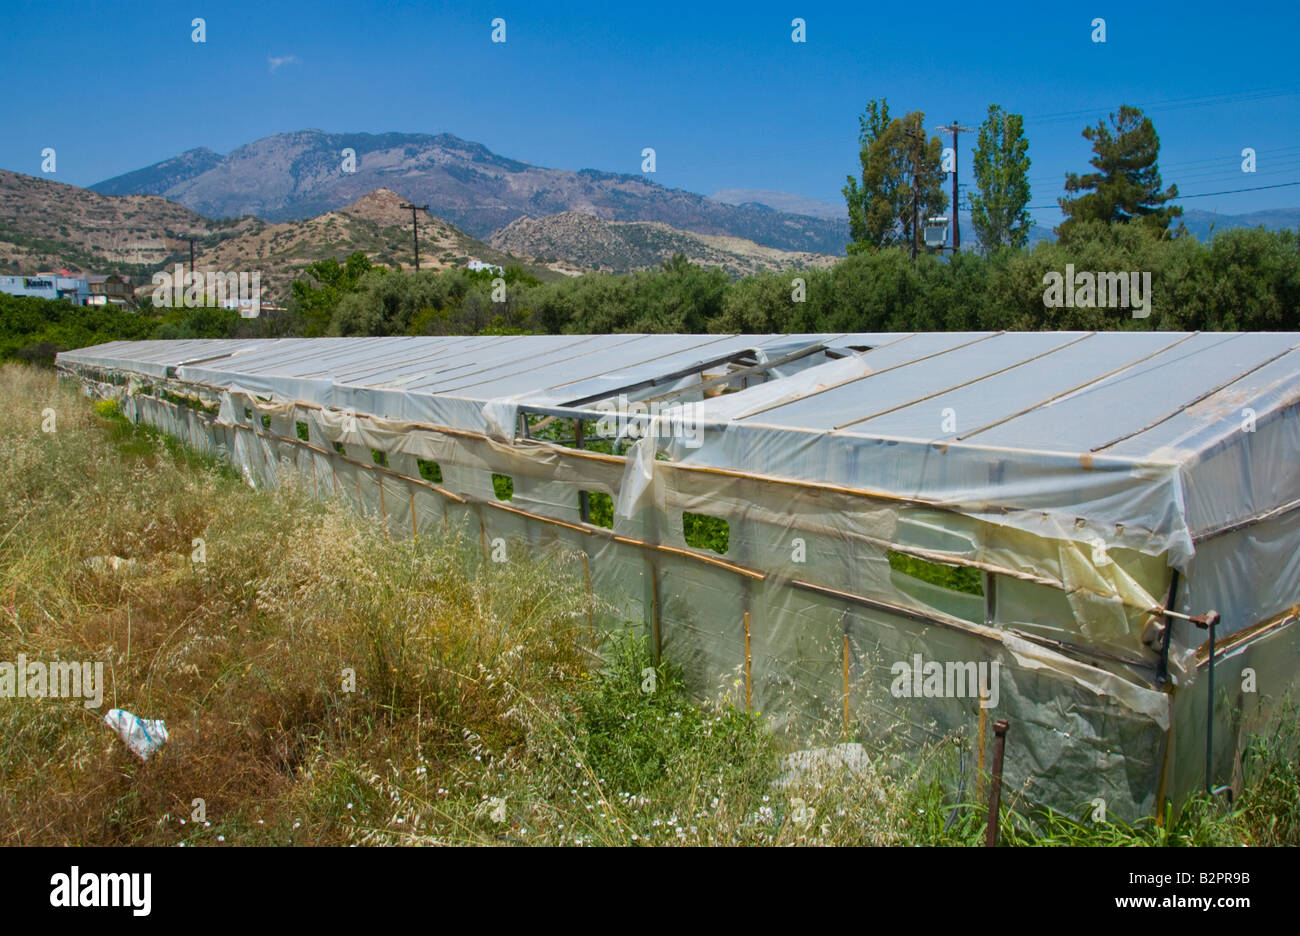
(1242, 280)
(957, 578)
(479, 713)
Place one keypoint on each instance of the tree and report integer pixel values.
(1127, 185)
(897, 161)
(871, 214)
(316, 303)
(1001, 156)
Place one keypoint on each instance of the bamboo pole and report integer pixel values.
(591, 614)
(846, 683)
(749, 692)
(979, 760)
(654, 591)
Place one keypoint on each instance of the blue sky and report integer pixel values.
(719, 90)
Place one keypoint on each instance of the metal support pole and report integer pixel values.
(1209, 621)
(995, 786)
(584, 507)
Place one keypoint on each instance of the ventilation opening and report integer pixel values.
(504, 486)
(704, 532)
(381, 458)
(338, 447)
(954, 578)
(597, 508)
(566, 431)
(430, 471)
(734, 372)
(266, 421)
(301, 427)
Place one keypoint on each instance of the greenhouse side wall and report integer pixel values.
(803, 617)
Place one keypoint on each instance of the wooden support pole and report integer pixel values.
(749, 692)
(415, 526)
(654, 591)
(591, 613)
(846, 682)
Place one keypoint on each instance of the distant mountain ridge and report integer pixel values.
(291, 176)
(158, 178)
(1204, 224)
(782, 201)
(588, 242)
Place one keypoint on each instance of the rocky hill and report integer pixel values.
(588, 242)
(47, 225)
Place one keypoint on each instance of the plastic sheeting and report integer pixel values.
(1067, 473)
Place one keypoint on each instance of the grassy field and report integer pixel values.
(478, 713)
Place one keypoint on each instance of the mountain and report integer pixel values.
(291, 176)
(781, 201)
(589, 242)
(48, 225)
(158, 178)
(374, 224)
(1203, 224)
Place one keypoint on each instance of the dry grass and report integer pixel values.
(244, 654)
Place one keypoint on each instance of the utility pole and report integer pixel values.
(955, 128)
(415, 229)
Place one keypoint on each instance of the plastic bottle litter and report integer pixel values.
(143, 736)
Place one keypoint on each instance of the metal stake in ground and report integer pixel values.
(995, 785)
(1209, 621)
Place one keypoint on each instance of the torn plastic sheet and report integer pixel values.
(501, 419)
(142, 736)
(638, 478)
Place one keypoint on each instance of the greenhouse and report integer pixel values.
(889, 538)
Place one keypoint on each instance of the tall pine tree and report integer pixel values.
(1126, 186)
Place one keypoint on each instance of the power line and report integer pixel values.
(1257, 188)
(1212, 100)
(1185, 170)
(1220, 178)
